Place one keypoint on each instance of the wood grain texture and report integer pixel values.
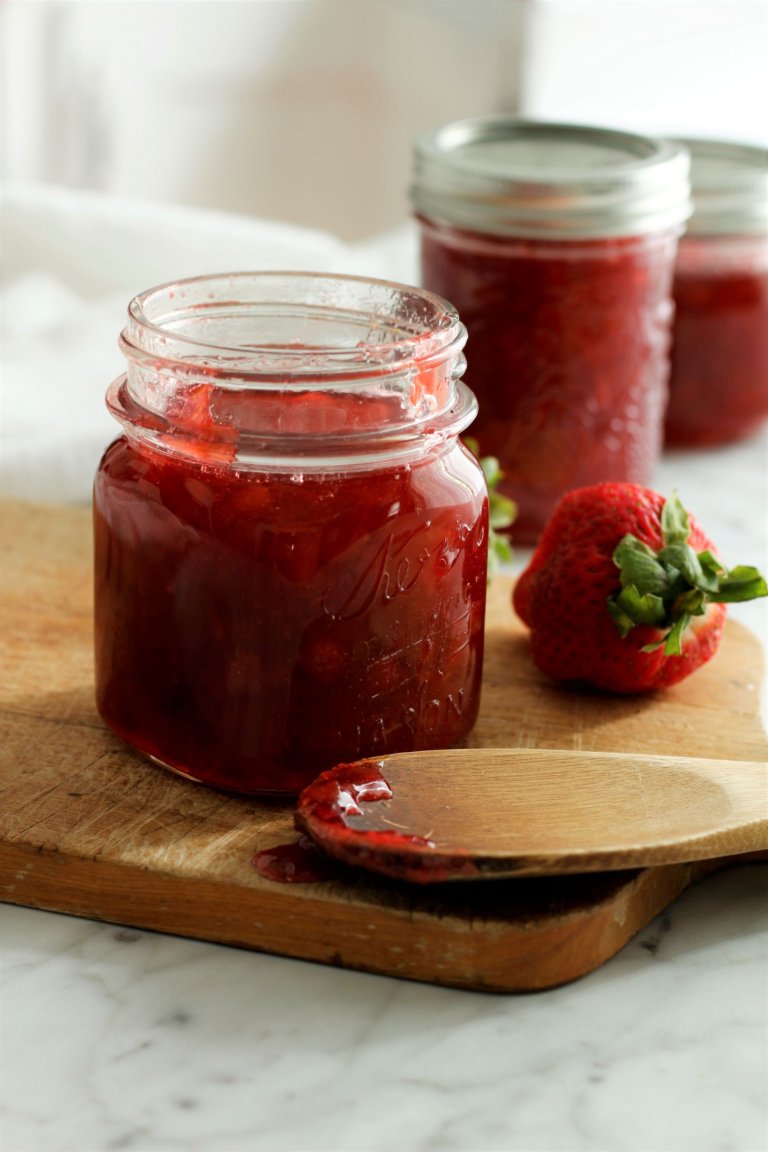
(90, 828)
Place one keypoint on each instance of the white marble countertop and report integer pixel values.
(114, 1038)
(119, 1039)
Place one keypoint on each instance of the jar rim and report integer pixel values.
(292, 369)
(729, 187)
(542, 179)
(163, 323)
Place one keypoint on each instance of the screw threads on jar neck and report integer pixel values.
(293, 369)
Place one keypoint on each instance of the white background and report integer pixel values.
(305, 110)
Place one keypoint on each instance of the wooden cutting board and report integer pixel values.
(90, 828)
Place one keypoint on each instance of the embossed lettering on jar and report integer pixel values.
(556, 243)
(291, 541)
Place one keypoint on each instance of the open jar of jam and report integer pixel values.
(556, 244)
(290, 538)
(718, 388)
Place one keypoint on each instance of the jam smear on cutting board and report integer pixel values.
(300, 862)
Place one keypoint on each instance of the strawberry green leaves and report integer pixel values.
(501, 510)
(501, 513)
(741, 583)
(675, 526)
(668, 588)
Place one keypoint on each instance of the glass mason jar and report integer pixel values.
(556, 244)
(718, 388)
(290, 539)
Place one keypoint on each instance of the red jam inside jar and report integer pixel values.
(569, 356)
(718, 389)
(290, 540)
(556, 243)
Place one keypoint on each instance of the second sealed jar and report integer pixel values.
(290, 539)
(556, 243)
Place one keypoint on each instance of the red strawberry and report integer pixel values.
(624, 591)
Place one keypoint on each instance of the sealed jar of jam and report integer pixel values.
(556, 244)
(719, 379)
(290, 538)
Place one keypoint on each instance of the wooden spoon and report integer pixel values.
(494, 812)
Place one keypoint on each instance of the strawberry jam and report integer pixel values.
(277, 587)
(335, 809)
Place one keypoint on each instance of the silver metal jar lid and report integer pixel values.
(513, 177)
(729, 185)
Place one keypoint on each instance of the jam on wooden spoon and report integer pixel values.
(458, 814)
